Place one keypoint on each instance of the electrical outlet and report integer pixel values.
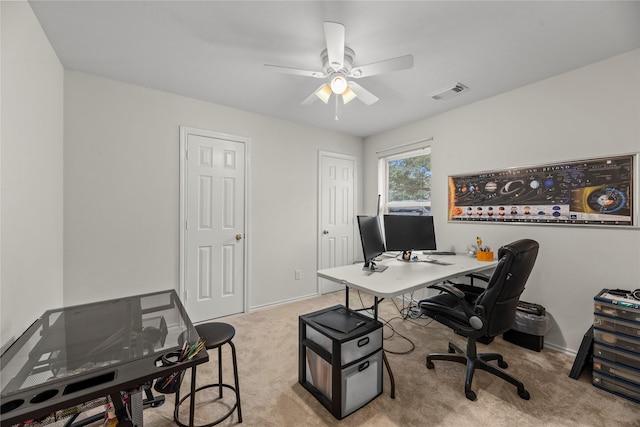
(298, 274)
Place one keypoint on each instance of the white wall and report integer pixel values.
(31, 171)
(122, 191)
(121, 182)
(590, 112)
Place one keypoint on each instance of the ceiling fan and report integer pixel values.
(337, 68)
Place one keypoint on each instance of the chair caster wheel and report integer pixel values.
(470, 394)
(503, 364)
(524, 394)
(430, 365)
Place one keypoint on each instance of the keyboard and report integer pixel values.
(439, 253)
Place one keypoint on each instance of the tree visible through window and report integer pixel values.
(408, 183)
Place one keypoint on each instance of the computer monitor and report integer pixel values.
(408, 233)
(372, 241)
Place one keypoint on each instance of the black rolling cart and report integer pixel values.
(340, 358)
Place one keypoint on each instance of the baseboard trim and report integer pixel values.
(560, 349)
(282, 302)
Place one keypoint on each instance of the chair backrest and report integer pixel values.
(500, 300)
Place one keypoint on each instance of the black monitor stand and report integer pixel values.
(373, 267)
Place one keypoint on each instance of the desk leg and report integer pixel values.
(120, 409)
(376, 301)
(384, 356)
(346, 296)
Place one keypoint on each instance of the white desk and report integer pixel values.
(402, 277)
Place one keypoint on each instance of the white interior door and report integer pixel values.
(337, 206)
(213, 244)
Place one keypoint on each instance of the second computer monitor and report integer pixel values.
(372, 241)
(408, 233)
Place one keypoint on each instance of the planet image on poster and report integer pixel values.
(512, 187)
(548, 183)
(491, 187)
(606, 200)
(535, 184)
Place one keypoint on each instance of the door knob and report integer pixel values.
(325, 232)
(238, 236)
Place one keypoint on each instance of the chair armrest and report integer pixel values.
(481, 277)
(451, 290)
(475, 321)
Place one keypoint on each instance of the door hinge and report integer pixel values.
(186, 155)
(186, 225)
(185, 295)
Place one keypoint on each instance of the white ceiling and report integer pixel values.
(216, 50)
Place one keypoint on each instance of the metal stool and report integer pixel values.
(215, 334)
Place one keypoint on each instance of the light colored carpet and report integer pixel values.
(267, 346)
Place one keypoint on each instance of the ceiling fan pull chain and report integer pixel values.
(336, 98)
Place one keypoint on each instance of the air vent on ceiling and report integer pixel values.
(449, 91)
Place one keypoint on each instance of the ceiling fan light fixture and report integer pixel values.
(348, 95)
(339, 85)
(324, 93)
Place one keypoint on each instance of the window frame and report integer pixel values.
(383, 178)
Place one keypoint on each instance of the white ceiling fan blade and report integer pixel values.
(334, 35)
(314, 95)
(386, 66)
(363, 94)
(296, 71)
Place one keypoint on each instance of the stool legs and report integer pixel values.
(235, 378)
(220, 385)
(220, 370)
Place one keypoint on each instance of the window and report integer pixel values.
(405, 183)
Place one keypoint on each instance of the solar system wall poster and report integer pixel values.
(583, 192)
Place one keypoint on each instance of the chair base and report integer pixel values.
(475, 361)
(219, 420)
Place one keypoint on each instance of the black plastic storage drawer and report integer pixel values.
(611, 305)
(616, 355)
(618, 326)
(616, 386)
(360, 382)
(616, 371)
(622, 342)
(340, 358)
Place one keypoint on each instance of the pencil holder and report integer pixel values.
(169, 383)
(484, 255)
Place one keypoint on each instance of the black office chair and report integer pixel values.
(492, 314)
